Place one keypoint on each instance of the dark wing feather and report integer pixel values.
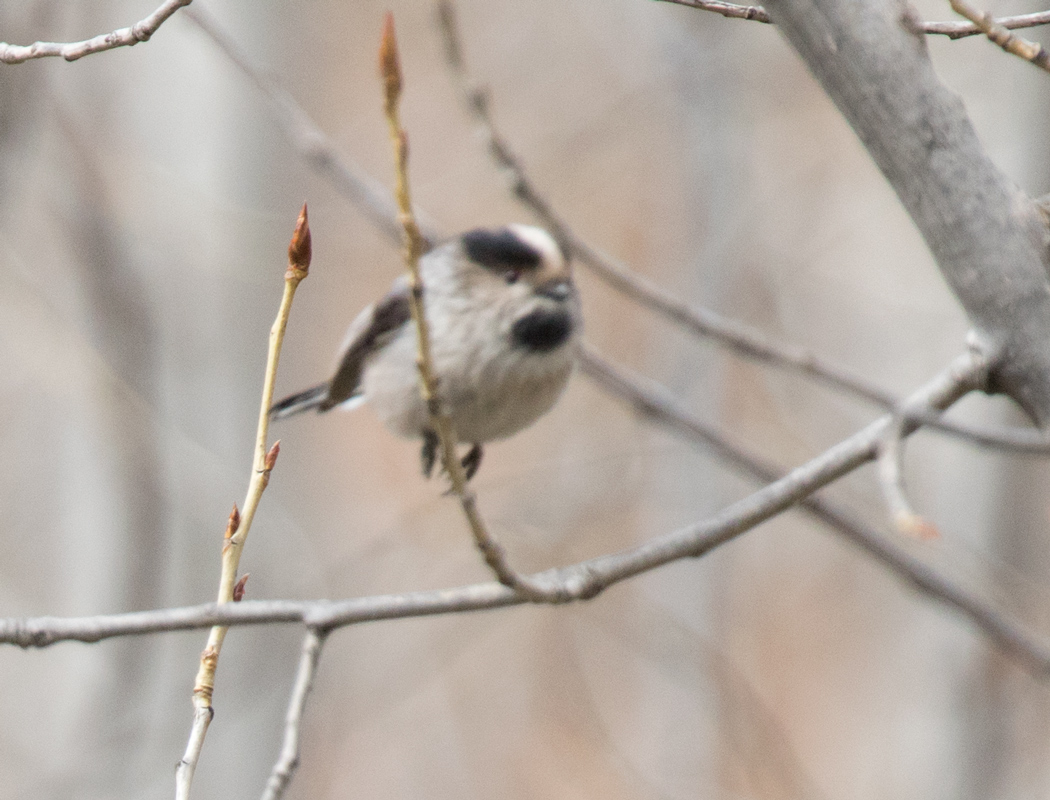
(370, 331)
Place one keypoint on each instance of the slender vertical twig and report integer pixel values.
(390, 71)
(288, 761)
(240, 523)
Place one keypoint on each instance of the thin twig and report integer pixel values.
(390, 69)
(1019, 46)
(741, 339)
(891, 481)
(958, 30)
(288, 761)
(753, 13)
(953, 29)
(141, 31)
(299, 252)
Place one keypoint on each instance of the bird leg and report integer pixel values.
(472, 460)
(429, 452)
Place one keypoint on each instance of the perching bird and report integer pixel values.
(504, 321)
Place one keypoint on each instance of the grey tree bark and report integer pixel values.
(987, 235)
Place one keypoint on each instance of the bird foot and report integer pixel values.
(428, 456)
(472, 460)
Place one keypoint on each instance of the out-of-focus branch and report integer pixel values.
(141, 31)
(1000, 34)
(742, 339)
(363, 191)
(299, 253)
(987, 236)
(953, 30)
(288, 760)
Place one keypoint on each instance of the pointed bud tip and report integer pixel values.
(300, 250)
(389, 63)
(238, 588)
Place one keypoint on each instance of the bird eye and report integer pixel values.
(512, 276)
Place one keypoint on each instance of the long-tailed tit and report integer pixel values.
(504, 321)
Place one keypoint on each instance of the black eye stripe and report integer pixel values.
(500, 250)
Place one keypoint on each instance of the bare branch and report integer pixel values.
(141, 31)
(958, 30)
(288, 761)
(987, 236)
(240, 523)
(754, 13)
(1029, 51)
(658, 404)
(953, 30)
(588, 578)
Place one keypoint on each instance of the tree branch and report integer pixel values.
(987, 236)
(288, 761)
(588, 578)
(953, 29)
(659, 405)
(1000, 34)
(299, 254)
(141, 31)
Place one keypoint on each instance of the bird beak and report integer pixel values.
(555, 290)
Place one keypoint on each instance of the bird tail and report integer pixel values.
(313, 397)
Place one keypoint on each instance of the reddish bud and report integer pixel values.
(238, 588)
(271, 457)
(389, 63)
(234, 522)
(300, 249)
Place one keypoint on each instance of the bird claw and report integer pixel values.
(472, 460)
(428, 454)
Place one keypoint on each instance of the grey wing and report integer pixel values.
(373, 328)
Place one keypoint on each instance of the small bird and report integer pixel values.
(505, 321)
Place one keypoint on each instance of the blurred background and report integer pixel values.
(147, 196)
